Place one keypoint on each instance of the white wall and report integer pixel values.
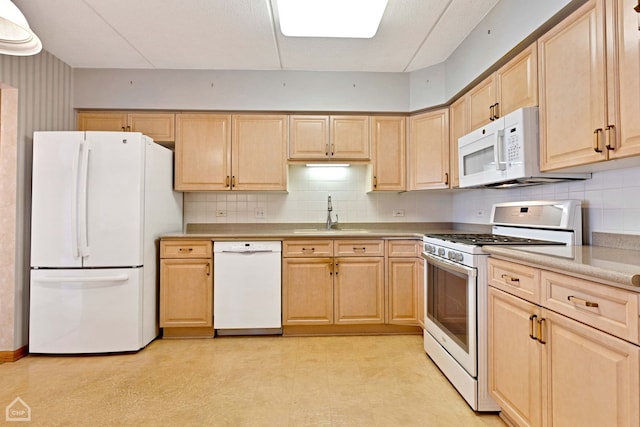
(45, 92)
(306, 201)
(241, 90)
(611, 201)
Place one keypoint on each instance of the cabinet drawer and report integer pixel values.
(359, 248)
(606, 308)
(186, 249)
(516, 279)
(404, 248)
(307, 248)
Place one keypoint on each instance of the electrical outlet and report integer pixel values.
(398, 212)
(260, 213)
(221, 213)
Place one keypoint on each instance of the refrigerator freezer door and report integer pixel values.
(55, 181)
(85, 311)
(115, 200)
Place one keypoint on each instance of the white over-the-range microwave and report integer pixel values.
(505, 153)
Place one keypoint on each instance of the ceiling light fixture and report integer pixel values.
(16, 37)
(330, 18)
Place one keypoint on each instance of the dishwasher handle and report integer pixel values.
(246, 251)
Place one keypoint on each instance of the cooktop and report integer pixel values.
(490, 239)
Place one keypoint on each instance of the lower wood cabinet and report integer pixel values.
(547, 369)
(328, 290)
(186, 288)
(405, 282)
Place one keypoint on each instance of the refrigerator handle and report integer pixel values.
(82, 220)
(74, 203)
(82, 279)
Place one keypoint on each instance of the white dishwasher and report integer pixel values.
(247, 290)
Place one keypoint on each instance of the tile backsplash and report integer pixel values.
(611, 201)
(306, 201)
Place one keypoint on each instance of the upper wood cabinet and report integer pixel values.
(341, 137)
(158, 126)
(513, 86)
(203, 152)
(429, 150)
(458, 126)
(389, 158)
(259, 152)
(218, 152)
(589, 86)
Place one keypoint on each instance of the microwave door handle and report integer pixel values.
(498, 152)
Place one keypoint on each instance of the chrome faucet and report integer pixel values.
(330, 222)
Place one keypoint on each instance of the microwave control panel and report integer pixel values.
(513, 142)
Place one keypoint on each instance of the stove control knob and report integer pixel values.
(451, 254)
(459, 257)
(441, 252)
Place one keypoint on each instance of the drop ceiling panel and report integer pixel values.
(242, 35)
(404, 26)
(456, 23)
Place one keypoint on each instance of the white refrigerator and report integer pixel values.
(100, 201)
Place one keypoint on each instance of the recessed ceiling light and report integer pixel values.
(330, 18)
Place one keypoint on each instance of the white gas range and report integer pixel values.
(456, 286)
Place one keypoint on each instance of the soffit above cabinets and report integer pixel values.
(243, 35)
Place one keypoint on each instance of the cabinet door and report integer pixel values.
(158, 126)
(517, 82)
(402, 282)
(429, 150)
(359, 290)
(186, 292)
(307, 291)
(259, 152)
(388, 145)
(458, 126)
(593, 378)
(349, 138)
(573, 90)
(102, 121)
(309, 137)
(627, 68)
(481, 98)
(515, 359)
(203, 152)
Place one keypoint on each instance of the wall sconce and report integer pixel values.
(16, 37)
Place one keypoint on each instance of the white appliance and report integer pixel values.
(247, 296)
(100, 200)
(504, 154)
(456, 284)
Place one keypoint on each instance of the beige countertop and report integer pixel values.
(612, 265)
(311, 230)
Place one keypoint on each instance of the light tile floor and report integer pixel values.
(243, 381)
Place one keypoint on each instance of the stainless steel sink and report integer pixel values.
(330, 231)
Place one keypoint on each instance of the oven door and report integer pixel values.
(481, 156)
(451, 304)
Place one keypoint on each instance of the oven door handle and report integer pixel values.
(450, 265)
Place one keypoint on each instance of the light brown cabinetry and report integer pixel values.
(186, 288)
(458, 127)
(429, 150)
(158, 126)
(548, 368)
(589, 85)
(389, 158)
(340, 137)
(221, 152)
(331, 282)
(405, 280)
(512, 86)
